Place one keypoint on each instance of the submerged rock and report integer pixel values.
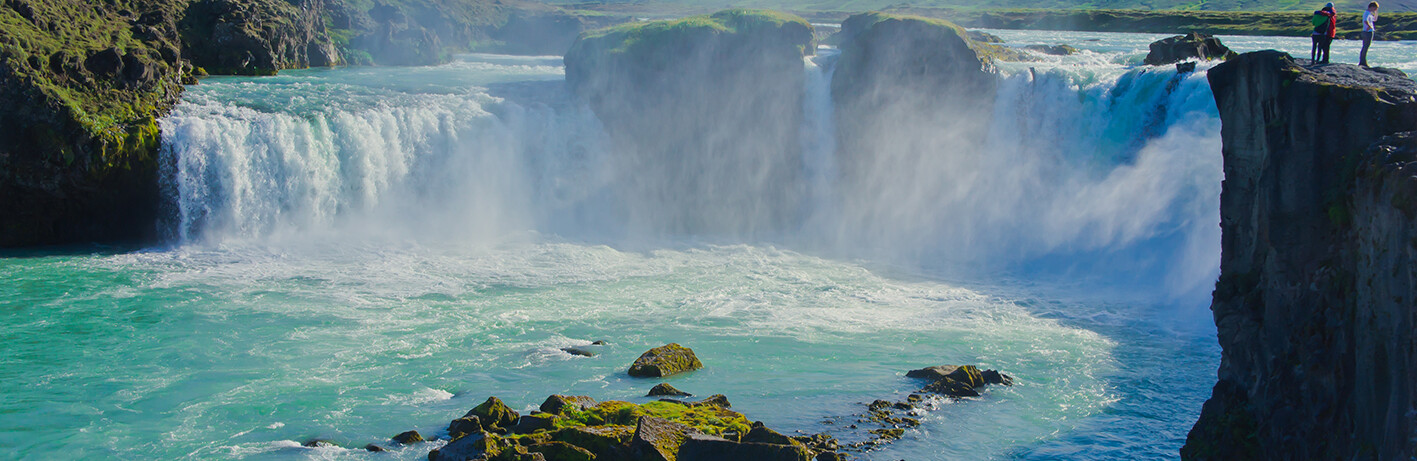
(1055, 50)
(372, 448)
(1182, 47)
(579, 351)
(664, 389)
(666, 360)
(319, 443)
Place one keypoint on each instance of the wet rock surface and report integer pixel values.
(1190, 46)
(666, 360)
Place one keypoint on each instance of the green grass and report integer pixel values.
(44, 43)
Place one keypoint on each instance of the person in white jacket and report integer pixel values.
(1370, 21)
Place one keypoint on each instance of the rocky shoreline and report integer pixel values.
(581, 428)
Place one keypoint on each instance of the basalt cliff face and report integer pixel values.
(1314, 306)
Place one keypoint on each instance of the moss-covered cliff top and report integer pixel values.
(47, 43)
(630, 37)
(938, 29)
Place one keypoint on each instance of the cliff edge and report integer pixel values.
(1314, 304)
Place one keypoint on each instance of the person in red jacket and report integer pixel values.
(1325, 28)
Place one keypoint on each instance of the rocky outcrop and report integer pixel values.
(681, 99)
(614, 430)
(81, 89)
(1314, 305)
(666, 360)
(906, 83)
(257, 37)
(1195, 45)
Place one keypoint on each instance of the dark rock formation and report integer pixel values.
(494, 413)
(1314, 304)
(465, 425)
(406, 438)
(532, 423)
(717, 400)
(680, 99)
(665, 360)
(664, 389)
(958, 380)
(1055, 50)
(81, 88)
(257, 37)
(579, 351)
(1182, 47)
(700, 448)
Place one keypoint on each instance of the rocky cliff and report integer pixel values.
(257, 37)
(1314, 306)
(701, 100)
(904, 85)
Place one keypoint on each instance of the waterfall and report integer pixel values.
(1080, 173)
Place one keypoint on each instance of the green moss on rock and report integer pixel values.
(666, 360)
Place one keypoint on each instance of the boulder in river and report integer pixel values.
(408, 437)
(664, 389)
(665, 360)
(1182, 47)
(579, 351)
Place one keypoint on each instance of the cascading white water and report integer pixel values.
(1079, 174)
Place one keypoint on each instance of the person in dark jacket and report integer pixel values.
(1325, 28)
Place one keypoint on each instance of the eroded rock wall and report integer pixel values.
(1313, 306)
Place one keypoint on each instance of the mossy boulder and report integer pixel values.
(555, 404)
(465, 425)
(494, 413)
(666, 360)
(664, 389)
(406, 438)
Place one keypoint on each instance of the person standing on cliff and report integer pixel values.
(1325, 27)
(1370, 28)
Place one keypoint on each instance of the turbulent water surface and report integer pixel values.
(359, 252)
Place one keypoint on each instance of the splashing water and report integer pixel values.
(364, 251)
